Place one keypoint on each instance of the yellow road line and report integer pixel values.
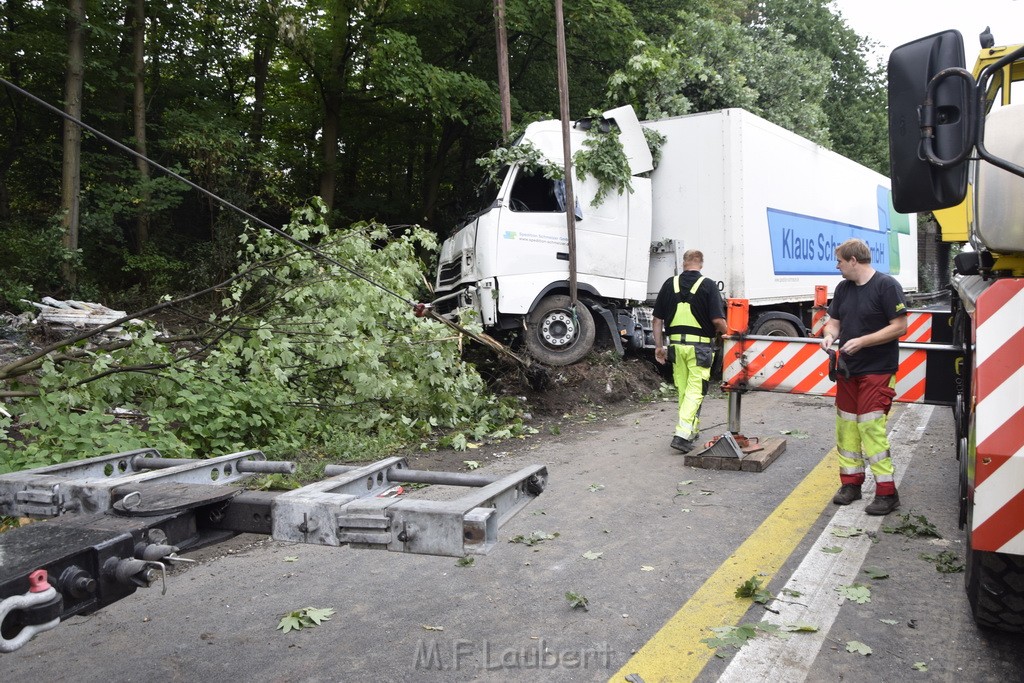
(675, 652)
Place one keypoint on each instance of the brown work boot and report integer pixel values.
(883, 505)
(846, 494)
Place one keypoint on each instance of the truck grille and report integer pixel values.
(450, 273)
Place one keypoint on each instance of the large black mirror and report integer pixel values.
(918, 184)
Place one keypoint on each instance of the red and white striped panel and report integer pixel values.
(919, 327)
(802, 368)
(999, 418)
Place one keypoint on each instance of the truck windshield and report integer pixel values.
(484, 195)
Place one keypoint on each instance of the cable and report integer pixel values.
(211, 195)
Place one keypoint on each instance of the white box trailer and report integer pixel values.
(766, 206)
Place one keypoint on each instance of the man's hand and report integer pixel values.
(661, 355)
(827, 341)
(852, 346)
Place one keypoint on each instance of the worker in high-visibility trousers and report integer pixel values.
(868, 314)
(692, 305)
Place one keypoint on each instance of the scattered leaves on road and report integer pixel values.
(856, 592)
(891, 622)
(577, 600)
(795, 433)
(847, 531)
(291, 558)
(591, 555)
(471, 464)
(946, 562)
(753, 588)
(832, 549)
(467, 561)
(307, 617)
(646, 568)
(533, 538)
(919, 666)
(428, 627)
(858, 647)
(913, 526)
(594, 488)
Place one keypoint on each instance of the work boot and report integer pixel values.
(846, 494)
(883, 505)
(681, 444)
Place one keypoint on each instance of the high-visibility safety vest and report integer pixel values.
(684, 328)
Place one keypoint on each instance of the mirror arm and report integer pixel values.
(927, 114)
(982, 87)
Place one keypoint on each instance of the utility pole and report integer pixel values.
(563, 104)
(503, 84)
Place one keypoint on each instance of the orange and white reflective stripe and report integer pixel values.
(794, 367)
(919, 327)
(999, 418)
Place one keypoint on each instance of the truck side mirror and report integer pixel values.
(917, 183)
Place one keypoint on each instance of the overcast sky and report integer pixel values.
(894, 22)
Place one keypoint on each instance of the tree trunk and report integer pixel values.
(139, 117)
(71, 176)
(329, 146)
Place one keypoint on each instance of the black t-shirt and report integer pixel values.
(706, 304)
(867, 308)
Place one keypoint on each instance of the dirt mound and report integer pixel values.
(599, 380)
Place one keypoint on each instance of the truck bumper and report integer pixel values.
(481, 298)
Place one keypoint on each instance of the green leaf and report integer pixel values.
(891, 622)
(946, 562)
(594, 488)
(533, 538)
(290, 622)
(847, 531)
(591, 555)
(471, 464)
(858, 647)
(752, 588)
(876, 573)
(856, 592)
(577, 600)
(919, 666)
(832, 549)
(914, 526)
(800, 628)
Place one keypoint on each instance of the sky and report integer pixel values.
(895, 22)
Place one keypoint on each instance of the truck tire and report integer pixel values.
(777, 327)
(995, 587)
(554, 336)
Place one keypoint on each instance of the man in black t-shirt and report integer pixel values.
(869, 314)
(691, 305)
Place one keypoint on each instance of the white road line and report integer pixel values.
(816, 579)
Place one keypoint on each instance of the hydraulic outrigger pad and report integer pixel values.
(119, 520)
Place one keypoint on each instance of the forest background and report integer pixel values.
(353, 124)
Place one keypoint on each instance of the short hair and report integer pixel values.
(854, 248)
(693, 256)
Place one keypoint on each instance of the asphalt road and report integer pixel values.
(671, 540)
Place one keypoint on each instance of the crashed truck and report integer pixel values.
(765, 206)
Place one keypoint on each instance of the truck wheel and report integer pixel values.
(555, 336)
(995, 587)
(777, 327)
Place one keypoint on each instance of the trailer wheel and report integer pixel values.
(995, 587)
(777, 327)
(555, 336)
